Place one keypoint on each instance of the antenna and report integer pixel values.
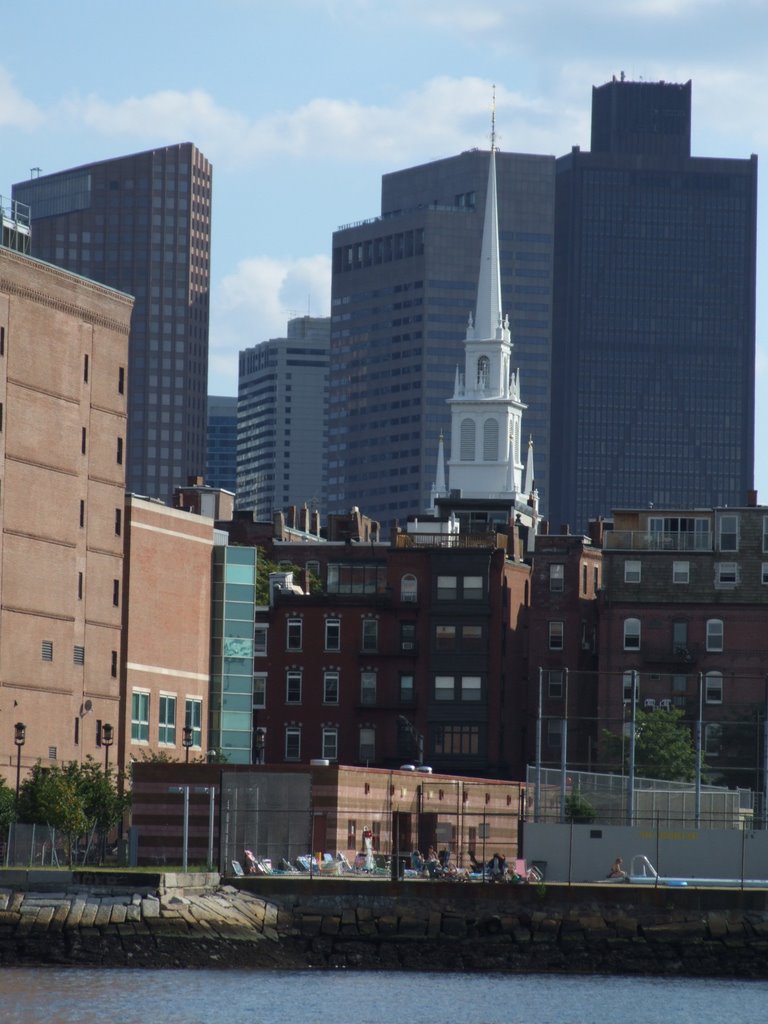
(493, 120)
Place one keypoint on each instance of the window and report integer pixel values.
(357, 578)
(313, 571)
(556, 636)
(483, 372)
(554, 732)
(406, 689)
(631, 634)
(764, 573)
(471, 638)
(330, 743)
(446, 588)
(681, 572)
(193, 718)
(407, 636)
(82, 512)
(367, 743)
(729, 532)
(121, 380)
(78, 655)
(443, 687)
(166, 715)
(467, 440)
(119, 451)
(408, 588)
(113, 665)
(292, 743)
(293, 639)
(713, 687)
(765, 533)
(260, 641)
(118, 521)
(726, 574)
(632, 571)
(139, 716)
(445, 638)
(116, 593)
(83, 441)
(628, 684)
(367, 687)
(555, 683)
(330, 687)
(333, 634)
(293, 687)
(80, 586)
(456, 739)
(85, 368)
(471, 688)
(557, 577)
(583, 579)
(680, 638)
(473, 588)
(714, 634)
(490, 440)
(259, 689)
(370, 634)
(713, 739)
(46, 652)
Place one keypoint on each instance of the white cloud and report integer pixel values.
(256, 302)
(15, 110)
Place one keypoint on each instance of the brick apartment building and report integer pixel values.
(63, 359)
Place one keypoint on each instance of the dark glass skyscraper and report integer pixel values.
(654, 332)
(221, 464)
(403, 287)
(142, 223)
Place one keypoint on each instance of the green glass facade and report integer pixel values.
(231, 704)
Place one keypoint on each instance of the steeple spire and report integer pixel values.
(488, 316)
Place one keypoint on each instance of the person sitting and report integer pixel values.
(417, 861)
(617, 869)
(497, 867)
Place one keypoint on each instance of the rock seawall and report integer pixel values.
(192, 921)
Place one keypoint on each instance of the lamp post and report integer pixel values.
(19, 738)
(186, 741)
(107, 739)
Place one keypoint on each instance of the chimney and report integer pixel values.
(304, 518)
(751, 499)
(316, 522)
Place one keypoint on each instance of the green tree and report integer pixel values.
(579, 809)
(664, 747)
(264, 566)
(7, 806)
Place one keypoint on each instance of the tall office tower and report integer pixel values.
(403, 287)
(281, 418)
(654, 329)
(142, 224)
(221, 461)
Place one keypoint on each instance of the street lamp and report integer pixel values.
(186, 741)
(107, 739)
(19, 738)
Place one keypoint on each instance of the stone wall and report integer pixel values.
(382, 925)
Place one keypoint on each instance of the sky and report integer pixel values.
(302, 105)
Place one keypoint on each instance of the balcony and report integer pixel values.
(645, 540)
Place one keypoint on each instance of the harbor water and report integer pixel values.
(91, 996)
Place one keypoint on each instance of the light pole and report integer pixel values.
(19, 738)
(186, 741)
(107, 739)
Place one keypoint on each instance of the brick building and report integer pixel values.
(63, 359)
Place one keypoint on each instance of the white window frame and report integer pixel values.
(409, 588)
(193, 717)
(713, 688)
(260, 634)
(333, 634)
(632, 634)
(727, 574)
(411, 690)
(764, 573)
(259, 689)
(444, 688)
(681, 572)
(471, 688)
(165, 702)
(370, 636)
(627, 682)
(723, 536)
(473, 588)
(330, 743)
(555, 683)
(447, 588)
(556, 577)
(715, 633)
(294, 634)
(367, 743)
(329, 677)
(633, 569)
(368, 687)
(292, 676)
(556, 635)
(292, 743)
(140, 716)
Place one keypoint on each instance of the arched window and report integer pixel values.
(483, 372)
(408, 588)
(490, 440)
(631, 634)
(467, 444)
